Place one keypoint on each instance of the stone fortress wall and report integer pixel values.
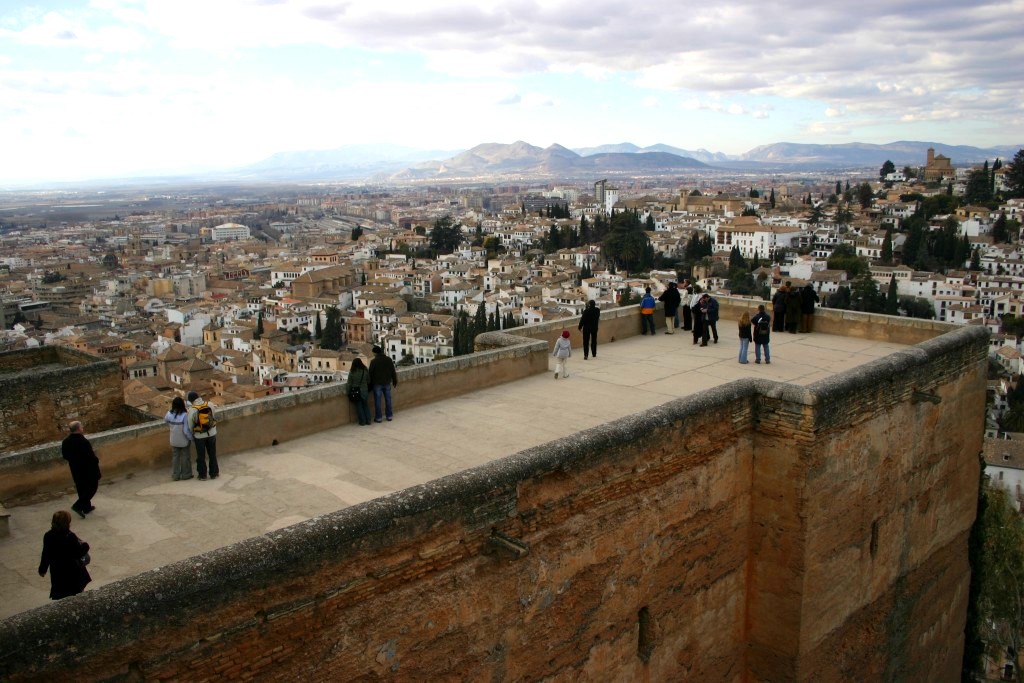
(757, 531)
(43, 389)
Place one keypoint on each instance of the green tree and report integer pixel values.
(887, 168)
(975, 260)
(771, 198)
(865, 296)
(913, 307)
(736, 259)
(843, 214)
(1015, 175)
(1000, 235)
(445, 236)
(979, 186)
(258, 334)
(840, 298)
(887, 248)
(865, 195)
(1001, 598)
(844, 257)
(110, 261)
(357, 232)
(892, 303)
(332, 336)
(318, 330)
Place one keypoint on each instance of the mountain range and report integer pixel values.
(393, 163)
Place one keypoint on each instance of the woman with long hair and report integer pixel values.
(745, 336)
(358, 390)
(65, 556)
(181, 453)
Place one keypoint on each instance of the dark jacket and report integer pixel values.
(590, 319)
(754, 323)
(779, 302)
(62, 552)
(84, 464)
(808, 297)
(711, 310)
(670, 297)
(359, 378)
(382, 370)
(745, 332)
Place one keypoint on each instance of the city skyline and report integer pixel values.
(121, 87)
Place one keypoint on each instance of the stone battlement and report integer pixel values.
(757, 530)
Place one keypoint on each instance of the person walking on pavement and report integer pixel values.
(670, 297)
(202, 420)
(589, 322)
(383, 377)
(84, 465)
(562, 352)
(65, 557)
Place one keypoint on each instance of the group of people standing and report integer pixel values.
(380, 378)
(794, 308)
(699, 312)
(193, 423)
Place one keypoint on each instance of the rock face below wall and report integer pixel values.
(755, 532)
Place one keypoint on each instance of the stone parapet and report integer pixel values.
(755, 531)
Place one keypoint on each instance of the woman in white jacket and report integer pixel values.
(562, 351)
(181, 453)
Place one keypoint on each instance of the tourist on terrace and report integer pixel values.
(84, 465)
(670, 297)
(745, 336)
(181, 440)
(202, 420)
(562, 352)
(65, 556)
(589, 322)
(687, 296)
(383, 377)
(358, 390)
(808, 297)
(647, 306)
(762, 328)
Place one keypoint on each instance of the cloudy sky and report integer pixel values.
(94, 88)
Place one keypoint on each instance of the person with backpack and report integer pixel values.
(647, 306)
(202, 420)
(762, 324)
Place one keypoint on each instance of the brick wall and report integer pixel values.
(42, 390)
(758, 531)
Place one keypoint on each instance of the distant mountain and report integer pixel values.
(521, 158)
(395, 163)
(629, 148)
(860, 154)
(346, 162)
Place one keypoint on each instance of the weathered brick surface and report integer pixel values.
(42, 390)
(751, 532)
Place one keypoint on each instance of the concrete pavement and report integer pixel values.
(147, 521)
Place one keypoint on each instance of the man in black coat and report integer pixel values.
(670, 297)
(589, 322)
(85, 467)
(383, 376)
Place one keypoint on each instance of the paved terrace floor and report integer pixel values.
(147, 520)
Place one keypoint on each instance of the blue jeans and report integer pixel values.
(382, 390)
(757, 351)
(645, 322)
(744, 345)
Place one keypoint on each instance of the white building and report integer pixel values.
(227, 231)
